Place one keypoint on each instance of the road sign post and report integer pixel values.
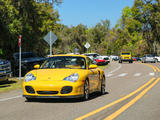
(87, 45)
(50, 38)
(50, 44)
(19, 57)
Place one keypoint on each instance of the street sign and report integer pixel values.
(50, 38)
(87, 45)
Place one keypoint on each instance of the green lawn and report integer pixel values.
(103, 66)
(12, 84)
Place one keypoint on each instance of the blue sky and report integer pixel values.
(90, 12)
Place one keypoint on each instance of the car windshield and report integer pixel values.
(65, 62)
(99, 57)
(125, 53)
(149, 55)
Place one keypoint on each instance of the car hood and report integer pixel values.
(54, 74)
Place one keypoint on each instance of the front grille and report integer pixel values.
(2, 76)
(47, 92)
(6, 67)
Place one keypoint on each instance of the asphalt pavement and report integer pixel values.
(132, 93)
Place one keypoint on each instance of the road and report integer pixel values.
(132, 93)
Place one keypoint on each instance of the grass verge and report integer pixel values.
(103, 66)
(12, 84)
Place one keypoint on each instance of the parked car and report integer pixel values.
(136, 59)
(114, 57)
(101, 61)
(5, 70)
(148, 58)
(28, 61)
(92, 56)
(64, 76)
(157, 58)
(125, 57)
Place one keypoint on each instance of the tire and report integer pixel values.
(86, 90)
(103, 86)
(120, 61)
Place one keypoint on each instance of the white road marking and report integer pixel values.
(137, 74)
(5, 99)
(123, 74)
(115, 69)
(151, 74)
(109, 75)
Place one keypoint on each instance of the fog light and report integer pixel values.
(29, 89)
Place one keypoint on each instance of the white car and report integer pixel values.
(92, 56)
(148, 58)
(114, 57)
(157, 58)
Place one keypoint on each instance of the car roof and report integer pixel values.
(68, 55)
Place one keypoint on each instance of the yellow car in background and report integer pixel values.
(64, 76)
(125, 57)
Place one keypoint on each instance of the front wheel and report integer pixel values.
(86, 90)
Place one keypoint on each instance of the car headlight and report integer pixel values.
(73, 78)
(29, 77)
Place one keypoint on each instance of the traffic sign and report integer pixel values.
(50, 38)
(87, 45)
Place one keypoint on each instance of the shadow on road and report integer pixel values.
(6, 83)
(56, 100)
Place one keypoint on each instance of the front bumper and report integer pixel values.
(3, 78)
(126, 60)
(53, 89)
(72, 96)
(150, 60)
(101, 63)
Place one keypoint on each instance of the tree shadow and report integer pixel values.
(4, 84)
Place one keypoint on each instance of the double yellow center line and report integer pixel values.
(155, 68)
(147, 86)
(123, 108)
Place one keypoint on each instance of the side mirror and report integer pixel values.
(92, 66)
(37, 66)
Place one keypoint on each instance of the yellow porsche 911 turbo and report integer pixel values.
(64, 76)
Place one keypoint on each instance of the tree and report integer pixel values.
(30, 19)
